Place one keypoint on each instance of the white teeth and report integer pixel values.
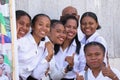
(87, 30)
(70, 34)
(22, 32)
(61, 39)
(43, 32)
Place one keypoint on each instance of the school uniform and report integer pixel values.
(89, 75)
(58, 63)
(3, 77)
(30, 55)
(95, 37)
(98, 38)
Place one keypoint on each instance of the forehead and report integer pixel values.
(69, 10)
(25, 17)
(71, 21)
(58, 25)
(43, 18)
(88, 18)
(93, 49)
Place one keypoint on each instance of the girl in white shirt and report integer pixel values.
(68, 59)
(32, 48)
(23, 22)
(94, 53)
(56, 35)
(89, 26)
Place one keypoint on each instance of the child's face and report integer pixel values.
(41, 27)
(88, 26)
(71, 29)
(23, 26)
(94, 56)
(57, 34)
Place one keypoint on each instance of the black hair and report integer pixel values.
(90, 14)
(54, 22)
(95, 44)
(64, 20)
(2, 55)
(20, 13)
(56, 48)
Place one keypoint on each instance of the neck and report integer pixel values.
(37, 38)
(96, 71)
(65, 44)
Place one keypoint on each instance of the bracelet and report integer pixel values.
(69, 68)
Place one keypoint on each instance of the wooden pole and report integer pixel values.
(14, 41)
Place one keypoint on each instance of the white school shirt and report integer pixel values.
(95, 37)
(29, 55)
(100, 76)
(98, 38)
(43, 64)
(59, 63)
(3, 77)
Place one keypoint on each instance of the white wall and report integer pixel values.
(107, 11)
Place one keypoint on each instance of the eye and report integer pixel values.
(91, 23)
(88, 54)
(27, 25)
(48, 25)
(40, 24)
(68, 26)
(58, 31)
(74, 27)
(64, 32)
(97, 54)
(21, 23)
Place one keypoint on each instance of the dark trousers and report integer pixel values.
(31, 78)
(67, 79)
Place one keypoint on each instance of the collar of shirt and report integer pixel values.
(42, 43)
(91, 38)
(99, 77)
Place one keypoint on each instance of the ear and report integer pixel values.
(97, 25)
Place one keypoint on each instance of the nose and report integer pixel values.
(45, 28)
(24, 27)
(93, 57)
(87, 25)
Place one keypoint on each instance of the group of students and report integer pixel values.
(52, 48)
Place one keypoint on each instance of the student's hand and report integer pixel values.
(46, 73)
(79, 77)
(108, 72)
(70, 60)
(50, 50)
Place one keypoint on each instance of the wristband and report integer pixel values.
(69, 68)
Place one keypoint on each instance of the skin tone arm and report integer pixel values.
(49, 47)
